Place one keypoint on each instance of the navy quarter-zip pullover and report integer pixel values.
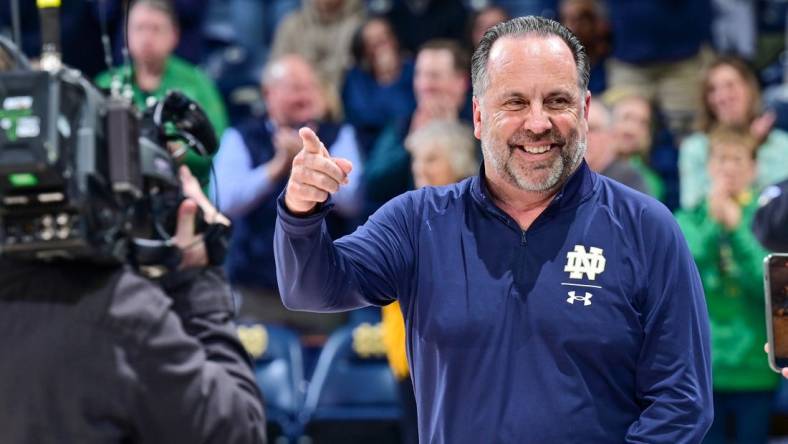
(589, 327)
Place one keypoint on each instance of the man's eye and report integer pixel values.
(558, 102)
(514, 103)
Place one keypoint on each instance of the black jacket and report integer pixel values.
(101, 355)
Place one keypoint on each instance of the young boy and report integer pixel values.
(730, 260)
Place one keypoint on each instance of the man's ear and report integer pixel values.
(586, 110)
(477, 118)
(587, 105)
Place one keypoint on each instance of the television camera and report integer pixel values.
(84, 176)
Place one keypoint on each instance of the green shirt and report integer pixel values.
(730, 263)
(187, 78)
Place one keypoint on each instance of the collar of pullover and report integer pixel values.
(577, 189)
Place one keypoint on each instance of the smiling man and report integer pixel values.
(543, 303)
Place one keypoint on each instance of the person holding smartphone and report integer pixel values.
(730, 259)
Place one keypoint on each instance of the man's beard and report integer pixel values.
(557, 169)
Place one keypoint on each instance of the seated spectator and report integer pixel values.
(443, 152)
(379, 87)
(441, 82)
(588, 21)
(191, 15)
(321, 32)
(658, 50)
(482, 20)
(731, 97)
(730, 262)
(632, 128)
(602, 152)
(153, 35)
(252, 167)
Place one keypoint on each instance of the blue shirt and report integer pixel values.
(589, 327)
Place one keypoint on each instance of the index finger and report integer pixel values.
(310, 140)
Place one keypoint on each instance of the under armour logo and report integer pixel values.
(579, 262)
(573, 297)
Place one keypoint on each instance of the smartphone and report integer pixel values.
(776, 293)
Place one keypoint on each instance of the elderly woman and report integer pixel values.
(443, 152)
(731, 98)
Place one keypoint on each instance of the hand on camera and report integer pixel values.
(191, 243)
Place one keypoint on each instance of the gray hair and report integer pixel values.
(457, 140)
(521, 27)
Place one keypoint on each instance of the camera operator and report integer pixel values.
(771, 221)
(100, 354)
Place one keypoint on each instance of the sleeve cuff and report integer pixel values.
(300, 225)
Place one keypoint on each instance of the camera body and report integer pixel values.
(80, 176)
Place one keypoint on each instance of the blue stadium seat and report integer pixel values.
(279, 371)
(352, 396)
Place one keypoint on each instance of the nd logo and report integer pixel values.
(580, 262)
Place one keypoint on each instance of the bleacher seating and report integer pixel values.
(352, 396)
